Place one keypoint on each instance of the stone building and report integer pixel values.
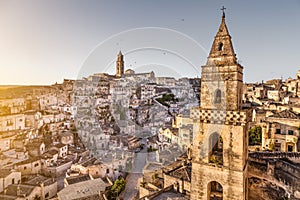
(282, 132)
(12, 122)
(30, 166)
(9, 177)
(12, 106)
(219, 152)
(36, 187)
(86, 189)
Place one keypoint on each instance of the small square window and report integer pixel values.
(278, 131)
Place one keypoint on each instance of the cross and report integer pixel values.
(223, 9)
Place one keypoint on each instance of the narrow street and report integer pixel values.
(132, 180)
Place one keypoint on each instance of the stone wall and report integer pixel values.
(183, 186)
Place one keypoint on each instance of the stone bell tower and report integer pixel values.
(220, 142)
(120, 65)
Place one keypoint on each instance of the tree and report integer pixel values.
(143, 184)
(117, 188)
(255, 135)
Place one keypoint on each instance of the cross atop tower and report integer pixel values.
(223, 10)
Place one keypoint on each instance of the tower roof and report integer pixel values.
(120, 56)
(222, 46)
(223, 30)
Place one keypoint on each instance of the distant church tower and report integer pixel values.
(220, 144)
(120, 65)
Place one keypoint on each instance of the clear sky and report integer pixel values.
(42, 42)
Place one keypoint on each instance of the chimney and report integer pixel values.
(42, 191)
(18, 191)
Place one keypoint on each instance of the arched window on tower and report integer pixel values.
(215, 191)
(215, 149)
(220, 46)
(218, 95)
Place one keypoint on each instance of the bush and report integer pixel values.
(117, 188)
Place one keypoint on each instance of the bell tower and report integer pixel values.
(222, 73)
(120, 65)
(220, 142)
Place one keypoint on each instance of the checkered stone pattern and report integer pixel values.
(213, 116)
(236, 117)
(220, 116)
(195, 113)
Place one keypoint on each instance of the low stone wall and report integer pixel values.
(57, 170)
(147, 190)
(151, 196)
(269, 155)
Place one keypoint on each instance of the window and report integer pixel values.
(36, 164)
(107, 171)
(216, 149)
(25, 168)
(278, 131)
(13, 181)
(220, 47)
(290, 132)
(215, 191)
(9, 123)
(218, 96)
(290, 148)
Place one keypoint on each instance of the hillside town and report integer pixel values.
(91, 129)
(132, 136)
(88, 131)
